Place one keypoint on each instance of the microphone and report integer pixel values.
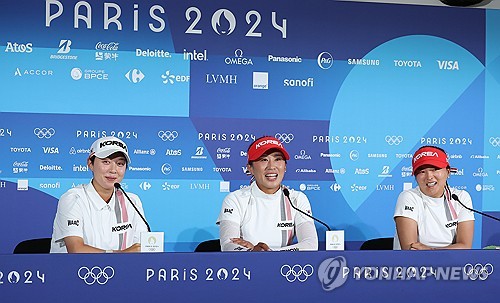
(455, 197)
(287, 194)
(118, 186)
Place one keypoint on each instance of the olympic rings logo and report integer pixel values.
(296, 272)
(478, 271)
(285, 138)
(495, 142)
(393, 140)
(168, 135)
(44, 132)
(96, 274)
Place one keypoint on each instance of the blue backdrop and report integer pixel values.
(351, 88)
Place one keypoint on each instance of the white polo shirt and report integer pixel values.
(83, 213)
(436, 219)
(267, 218)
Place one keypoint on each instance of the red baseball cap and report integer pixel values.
(429, 155)
(261, 145)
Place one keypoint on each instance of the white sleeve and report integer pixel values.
(231, 210)
(307, 238)
(229, 230)
(465, 214)
(69, 218)
(406, 206)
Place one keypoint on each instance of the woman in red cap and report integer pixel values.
(430, 216)
(260, 217)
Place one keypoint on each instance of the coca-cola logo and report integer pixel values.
(111, 46)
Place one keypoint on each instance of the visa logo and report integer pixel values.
(448, 65)
(50, 150)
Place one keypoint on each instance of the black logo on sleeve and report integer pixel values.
(74, 222)
(410, 208)
(228, 210)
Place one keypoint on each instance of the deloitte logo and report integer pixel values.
(325, 60)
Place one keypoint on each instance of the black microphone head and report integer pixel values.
(286, 191)
(118, 186)
(455, 197)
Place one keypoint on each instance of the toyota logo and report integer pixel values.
(285, 138)
(168, 135)
(495, 142)
(44, 132)
(296, 272)
(96, 274)
(478, 271)
(393, 140)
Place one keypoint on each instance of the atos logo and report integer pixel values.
(223, 22)
(325, 60)
(18, 48)
(134, 76)
(362, 171)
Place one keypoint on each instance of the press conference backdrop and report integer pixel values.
(352, 89)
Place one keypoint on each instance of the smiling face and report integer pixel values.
(432, 180)
(268, 171)
(107, 172)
